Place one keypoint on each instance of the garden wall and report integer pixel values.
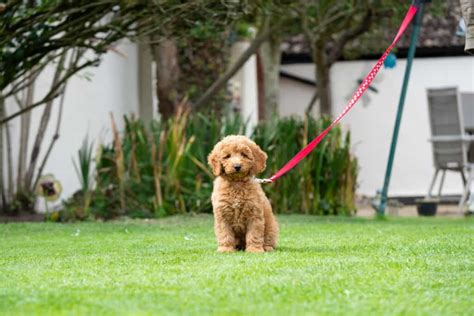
(88, 103)
(371, 121)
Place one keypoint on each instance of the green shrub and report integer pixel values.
(324, 182)
(161, 169)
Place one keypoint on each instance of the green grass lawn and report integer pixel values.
(323, 266)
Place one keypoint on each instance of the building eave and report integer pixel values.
(421, 52)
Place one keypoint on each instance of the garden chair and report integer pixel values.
(450, 141)
(467, 101)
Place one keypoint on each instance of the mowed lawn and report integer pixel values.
(348, 266)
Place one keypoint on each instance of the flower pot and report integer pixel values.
(427, 207)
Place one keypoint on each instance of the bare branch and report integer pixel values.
(52, 94)
(312, 102)
(25, 132)
(44, 121)
(350, 34)
(54, 139)
(220, 83)
(22, 84)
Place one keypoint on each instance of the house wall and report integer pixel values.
(295, 96)
(244, 85)
(371, 121)
(87, 108)
(113, 87)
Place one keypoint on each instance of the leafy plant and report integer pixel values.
(161, 169)
(324, 183)
(85, 173)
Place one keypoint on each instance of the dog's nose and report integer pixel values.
(237, 167)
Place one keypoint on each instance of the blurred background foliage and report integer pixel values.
(190, 43)
(162, 169)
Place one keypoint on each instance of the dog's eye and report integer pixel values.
(227, 156)
(245, 155)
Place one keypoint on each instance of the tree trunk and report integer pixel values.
(54, 139)
(260, 89)
(221, 82)
(312, 102)
(2, 151)
(165, 55)
(323, 80)
(45, 118)
(25, 123)
(145, 85)
(270, 55)
(9, 164)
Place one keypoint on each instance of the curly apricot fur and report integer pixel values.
(242, 213)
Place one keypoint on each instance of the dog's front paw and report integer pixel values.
(254, 249)
(268, 248)
(222, 249)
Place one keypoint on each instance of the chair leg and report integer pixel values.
(433, 183)
(467, 188)
(463, 177)
(464, 180)
(441, 183)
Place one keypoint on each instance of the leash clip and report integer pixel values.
(266, 180)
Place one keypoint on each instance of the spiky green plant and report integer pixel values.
(165, 166)
(85, 172)
(323, 183)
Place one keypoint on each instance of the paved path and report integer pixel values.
(445, 210)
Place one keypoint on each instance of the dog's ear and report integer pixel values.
(213, 161)
(260, 158)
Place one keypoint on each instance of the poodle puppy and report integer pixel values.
(242, 213)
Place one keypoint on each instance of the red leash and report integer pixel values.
(355, 97)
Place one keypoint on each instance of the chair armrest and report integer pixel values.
(452, 138)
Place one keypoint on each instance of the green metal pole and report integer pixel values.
(401, 103)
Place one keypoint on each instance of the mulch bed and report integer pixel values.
(21, 218)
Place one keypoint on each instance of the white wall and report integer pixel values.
(295, 96)
(245, 90)
(87, 108)
(113, 88)
(371, 123)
